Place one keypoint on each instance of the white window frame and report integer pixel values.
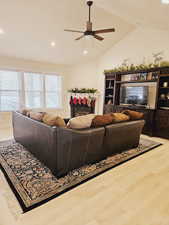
(59, 91)
(22, 91)
(10, 90)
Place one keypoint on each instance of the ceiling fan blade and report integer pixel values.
(98, 37)
(75, 31)
(79, 38)
(104, 31)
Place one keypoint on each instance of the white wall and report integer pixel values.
(140, 43)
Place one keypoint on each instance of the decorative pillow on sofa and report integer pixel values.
(119, 117)
(133, 114)
(25, 112)
(52, 119)
(81, 122)
(37, 115)
(102, 120)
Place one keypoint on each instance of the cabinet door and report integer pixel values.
(162, 123)
(149, 122)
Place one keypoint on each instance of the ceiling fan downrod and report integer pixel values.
(89, 3)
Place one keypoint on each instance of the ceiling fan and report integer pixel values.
(89, 31)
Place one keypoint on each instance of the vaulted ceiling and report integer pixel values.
(30, 26)
(148, 13)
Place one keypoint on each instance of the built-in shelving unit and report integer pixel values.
(157, 118)
(163, 95)
(109, 90)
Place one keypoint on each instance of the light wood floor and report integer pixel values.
(135, 193)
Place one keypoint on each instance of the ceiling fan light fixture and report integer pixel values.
(88, 37)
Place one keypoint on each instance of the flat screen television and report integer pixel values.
(134, 95)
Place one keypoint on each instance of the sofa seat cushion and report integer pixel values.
(119, 117)
(102, 120)
(81, 122)
(133, 114)
(51, 119)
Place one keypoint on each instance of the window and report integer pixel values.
(32, 90)
(9, 90)
(53, 91)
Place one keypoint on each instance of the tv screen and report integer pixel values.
(134, 95)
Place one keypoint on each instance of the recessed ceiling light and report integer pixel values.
(88, 37)
(2, 31)
(53, 44)
(165, 1)
(85, 52)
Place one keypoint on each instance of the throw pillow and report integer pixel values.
(25, 112)
(52, 119)
(102, 120)
(119, 117)
(81, 122)
(59, 122)
(133, 114)
(37, 115)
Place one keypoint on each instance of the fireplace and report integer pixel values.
(82, 104)
(79, 110)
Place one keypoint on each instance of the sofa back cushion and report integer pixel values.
(51, 119)
(81, 122)
(133, 114)
(102, 120)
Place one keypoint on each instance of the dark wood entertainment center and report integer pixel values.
(157, 117)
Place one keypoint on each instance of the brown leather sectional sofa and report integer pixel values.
(63, 149)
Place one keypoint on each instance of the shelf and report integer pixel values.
(135, 81)
(157, 69)
(163, 99)
(109, 88)
(165, 108)
(164, 75)
(109, 96)
(164, 87)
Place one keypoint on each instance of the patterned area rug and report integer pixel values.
(34, 184)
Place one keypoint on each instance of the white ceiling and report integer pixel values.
(149, 13)
(30, 26)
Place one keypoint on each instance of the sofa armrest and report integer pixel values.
(122, 136)
(37, 137)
